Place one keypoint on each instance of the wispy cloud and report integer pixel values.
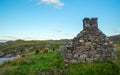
(7, 38)
(59, 33)
(15, 38)
(57, 3)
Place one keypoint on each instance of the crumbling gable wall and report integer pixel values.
(91, 44)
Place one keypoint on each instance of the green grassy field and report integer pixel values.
(51, 63)
(20, 45)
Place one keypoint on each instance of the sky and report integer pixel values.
(55, 19)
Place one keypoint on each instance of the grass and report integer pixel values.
(31, 63)
(20, 45)
(51, 63)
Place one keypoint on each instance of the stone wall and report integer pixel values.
(91, 44)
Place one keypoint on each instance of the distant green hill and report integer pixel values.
(21, 46)
(114, 38)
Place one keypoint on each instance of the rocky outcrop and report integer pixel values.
(1, 53)
(91, 44)
(13, 52)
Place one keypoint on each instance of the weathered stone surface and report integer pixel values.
(1, 53)
(66, 60)
(97, 56)
(61, 49)
(73, 61)
(81, 40)
(91, 44)
(89, 59)
(76, 55)
(88, 43)
(9, 55)
(68, 55)
(82, 58)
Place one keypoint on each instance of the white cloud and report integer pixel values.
(57, 3)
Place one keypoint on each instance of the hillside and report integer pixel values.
(51, 63)
(114, 38)
(18, 47)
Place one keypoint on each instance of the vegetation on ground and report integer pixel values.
(21, 45)
(51, 63)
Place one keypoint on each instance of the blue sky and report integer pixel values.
(55, 19)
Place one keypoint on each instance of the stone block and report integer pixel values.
(75, 55)
(87, 25)
(81, 40)
(74, 61)
(98, 56)
(66, 60)
(110, 42)
(82, 58)
(89, 59)
(68, 56)
(88, 43)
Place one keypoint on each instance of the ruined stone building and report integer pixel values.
(91, 44)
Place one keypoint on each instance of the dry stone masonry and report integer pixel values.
(91, 44)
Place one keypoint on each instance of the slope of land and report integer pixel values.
(114, 38)
(14, 48)
(51, 63)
